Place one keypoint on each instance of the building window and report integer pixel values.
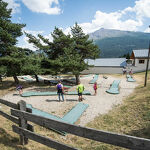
(141, 61)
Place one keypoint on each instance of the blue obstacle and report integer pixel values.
(114, 89)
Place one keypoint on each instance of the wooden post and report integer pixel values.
(22, 122)
(147, 66)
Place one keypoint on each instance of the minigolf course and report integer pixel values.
(130, 78)
(94, 79)
(74, 114)
(34, 93)
(76, 93)
(71, 117)
(114, 88)
(26, 78)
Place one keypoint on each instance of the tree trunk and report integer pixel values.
(36, 77)
(0, 78)
(16, 79)
(77, 79)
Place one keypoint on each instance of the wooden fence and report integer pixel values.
(125, 141)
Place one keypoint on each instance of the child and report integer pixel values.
(131, 72)
(95, 88)
(20, 89)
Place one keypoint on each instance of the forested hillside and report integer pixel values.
(115, 43)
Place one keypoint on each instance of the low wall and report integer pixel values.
(103, 70)
(113, 70)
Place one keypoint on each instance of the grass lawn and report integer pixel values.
(132, 117)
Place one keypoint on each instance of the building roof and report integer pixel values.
(107, 62)
(140, 53)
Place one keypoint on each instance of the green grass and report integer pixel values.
(132, 117)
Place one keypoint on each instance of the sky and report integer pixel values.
(42, 16)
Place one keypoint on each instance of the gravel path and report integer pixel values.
(99, 104)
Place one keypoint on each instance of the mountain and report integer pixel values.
(116, 43)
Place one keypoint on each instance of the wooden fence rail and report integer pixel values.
(20, 121)
(13, 105)
(125, 141)
(42, 139)
(9, 117)
(9, 104)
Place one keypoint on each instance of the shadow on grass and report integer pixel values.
(11, 85)
(144, 132)
(6, 84)
(10, 141)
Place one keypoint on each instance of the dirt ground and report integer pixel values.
(99, 104)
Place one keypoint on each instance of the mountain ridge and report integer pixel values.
(116, 43)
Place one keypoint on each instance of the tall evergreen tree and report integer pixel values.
(66, 53)
(33, 65)
(53, 50)
(2, 72)
(9, 32)
(84, 49)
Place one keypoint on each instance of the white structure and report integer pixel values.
(105, 65)
(139, 57)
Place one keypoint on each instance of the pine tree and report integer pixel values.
(66, 53)
(2, 72)
(51, 64)
(33, 65)
(83, 48)
(9, 32)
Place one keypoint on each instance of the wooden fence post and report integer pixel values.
(22, 122)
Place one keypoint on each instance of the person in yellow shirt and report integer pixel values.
(80, 89)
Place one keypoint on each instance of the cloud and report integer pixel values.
(114, 20)
(50, 7)
(147, 30)
(43, 6)
(130, 18)
(142, 8)
(26, 44)
(24, 40)
(14, 5)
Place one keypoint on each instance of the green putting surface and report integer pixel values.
(38, 112)
(130, 79)
(88, 75)
(27, 94)
(42, 113)
(67, 86)
(71, 117)
(94, 79)
(114, 89)
(27, 79)
(76, 93)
